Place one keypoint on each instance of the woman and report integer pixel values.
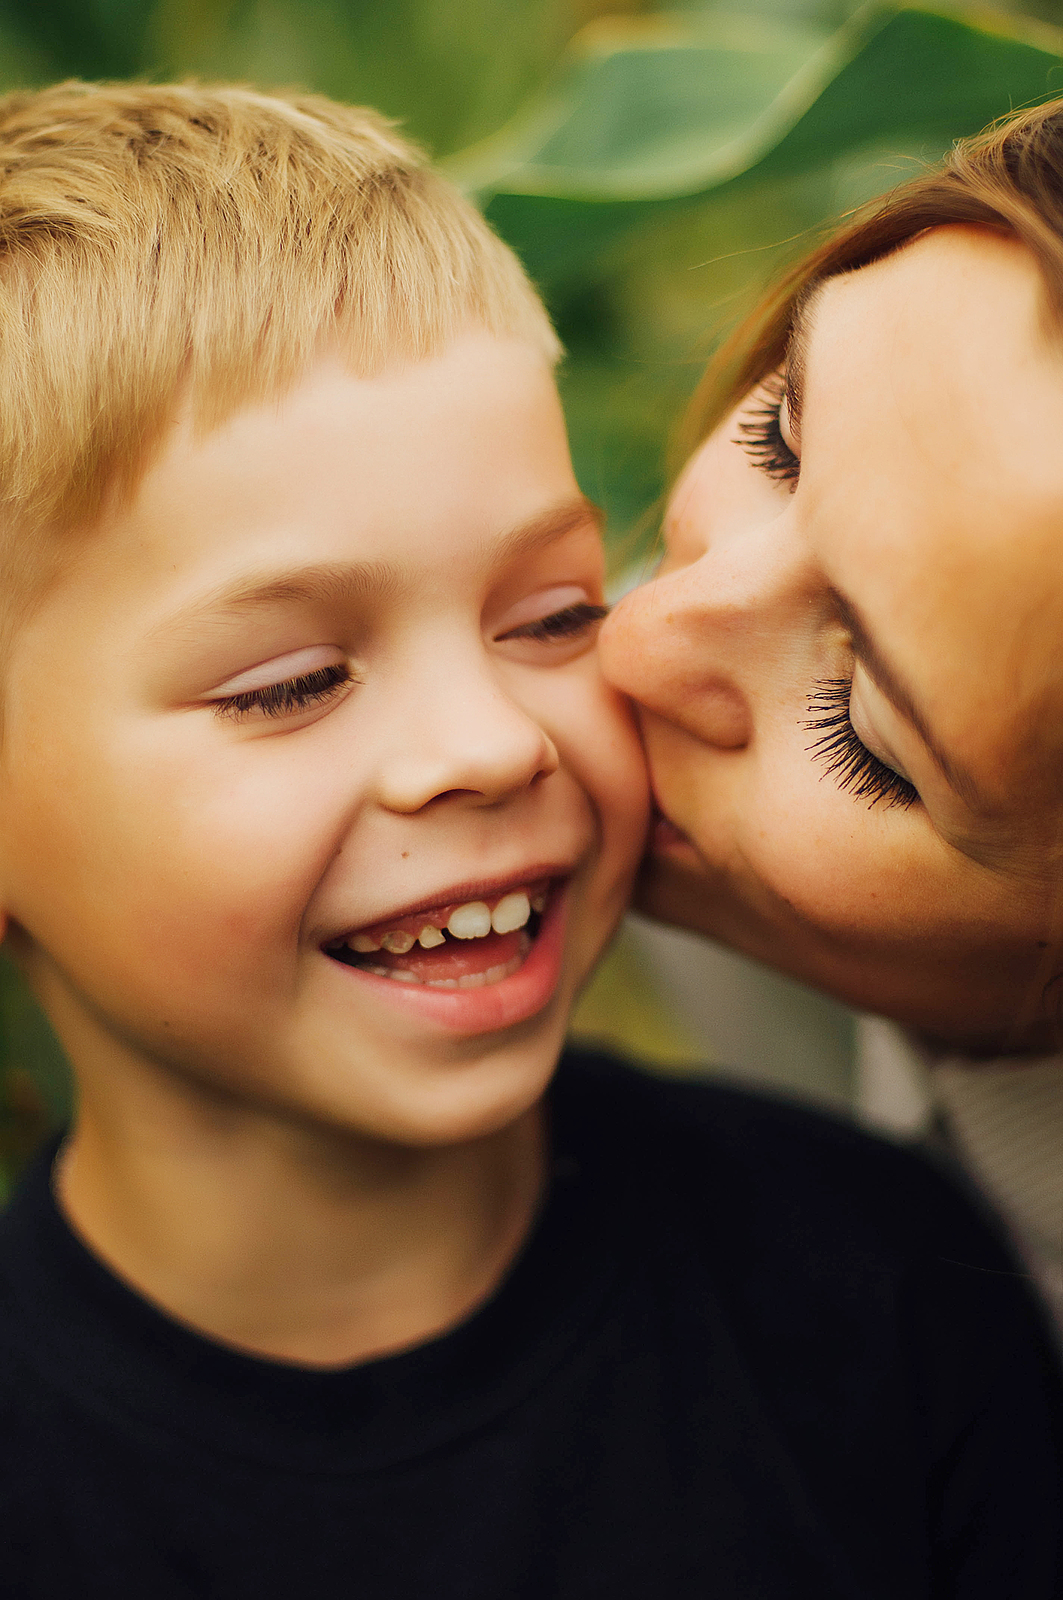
(850, 668)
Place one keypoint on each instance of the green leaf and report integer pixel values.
(651, 118)
(86, 38)
(924, 75)
(644, 109)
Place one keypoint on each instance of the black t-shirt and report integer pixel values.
(748, 1353)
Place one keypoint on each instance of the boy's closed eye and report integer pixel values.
(291, 684)
(323, 672)
(556, 617)
(290, 695)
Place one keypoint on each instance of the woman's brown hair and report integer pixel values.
(1009, 177)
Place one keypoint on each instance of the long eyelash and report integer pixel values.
(294, 694)
(847, 759)
(762, 438)
(561, 624)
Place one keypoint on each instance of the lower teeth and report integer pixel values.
(470, 980)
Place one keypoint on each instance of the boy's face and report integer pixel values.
(329, 677)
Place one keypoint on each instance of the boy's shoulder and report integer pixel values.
(786, 1175)
(835, 1257)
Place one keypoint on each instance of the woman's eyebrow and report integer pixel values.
(797, 353)
(900, 697)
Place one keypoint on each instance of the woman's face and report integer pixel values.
(850, 668)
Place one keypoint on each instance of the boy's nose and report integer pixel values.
(470, 740)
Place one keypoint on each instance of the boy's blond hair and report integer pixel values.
(170, 244)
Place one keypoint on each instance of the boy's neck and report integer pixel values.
(299, 1244)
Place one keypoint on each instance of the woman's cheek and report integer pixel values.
(843, 868)
(778, 837)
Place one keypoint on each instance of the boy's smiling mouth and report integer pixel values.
(468, 944)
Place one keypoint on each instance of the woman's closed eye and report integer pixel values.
(762, 437)
(846, 757)
(290, 695)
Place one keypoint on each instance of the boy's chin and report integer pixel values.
(477, 1104)
(424, 1099)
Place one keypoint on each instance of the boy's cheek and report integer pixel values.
(152, 897)
(619, 764)
(603, 752)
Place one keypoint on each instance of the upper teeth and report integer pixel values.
(511, 912)
(471, 921)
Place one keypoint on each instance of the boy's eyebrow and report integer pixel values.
(900, 697)
(551, 525)
(329, 582)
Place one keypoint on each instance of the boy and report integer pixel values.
(314, 814)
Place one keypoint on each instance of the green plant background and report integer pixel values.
(654, 166)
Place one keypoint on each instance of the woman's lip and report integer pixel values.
(665, 836)
(495, 1006)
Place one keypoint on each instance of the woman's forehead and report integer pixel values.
(932, 477)
(959, 314)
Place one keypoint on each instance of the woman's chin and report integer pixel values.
(668, 845)
(675, 885)
(666, 839)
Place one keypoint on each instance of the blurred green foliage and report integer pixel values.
(653, 164)
(671, 162)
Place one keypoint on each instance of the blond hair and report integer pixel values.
(163, 245)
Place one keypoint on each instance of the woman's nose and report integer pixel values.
(655, 647)
(694, 645)
(463, 737)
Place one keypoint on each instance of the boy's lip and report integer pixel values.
(461, 894)
(470, 1012)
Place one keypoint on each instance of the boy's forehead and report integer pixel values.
(413, 425)
(349, 486)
